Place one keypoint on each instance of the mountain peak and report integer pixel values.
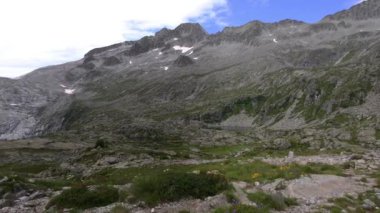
(366, 10)
(187, 32)
(192, 32)
(190, 28)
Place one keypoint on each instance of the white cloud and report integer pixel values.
(43, 32)
(359, 1)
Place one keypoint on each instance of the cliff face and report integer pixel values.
(279, 76)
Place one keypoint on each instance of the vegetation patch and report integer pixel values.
(251, 105)
(22, 169)
(353, 205)
(266, 202)
(55, 184)
(377, 177)
(173, 186)
(377, 134)
(239, 209)
(119, 209)
(232, 170)
(81, 197)
(339, 120)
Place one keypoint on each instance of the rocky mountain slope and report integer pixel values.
(258, 118)
(278, 76)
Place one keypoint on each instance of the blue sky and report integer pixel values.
(242, 11)
(46, 32)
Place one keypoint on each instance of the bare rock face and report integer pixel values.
(279, 144)
(183, 61)
(270, 72)
(112, 61)
(366, 10)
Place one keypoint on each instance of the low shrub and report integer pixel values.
(239, 209)
(119, 209)
(101, 143)
(173, 186)
(79, 196)
(271, 201)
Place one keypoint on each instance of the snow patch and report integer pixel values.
(166, 68)
(15, 104)
(175, 39)
(275, 41)
(190, 53)
(183, 49)
(63, 86)
(160, 53)
(69, 91)
(196, 58)
(130, 62)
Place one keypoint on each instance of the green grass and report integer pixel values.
(119, 209)
(173, 186)
(240, 209)
(232, 170)
(377, 134)
(23, 169)
(257, 150)
(221, 151)
(339, 120)
(19, 175)
(351, 205)
(267, 202)
(13, 185)
(377, 178)
(55, 184)
(80, 197)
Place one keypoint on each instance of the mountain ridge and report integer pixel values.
(187, 75)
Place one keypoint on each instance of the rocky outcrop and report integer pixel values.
(183, 61)
(366, 10)
(111, 61)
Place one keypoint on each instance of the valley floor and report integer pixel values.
(41, 175)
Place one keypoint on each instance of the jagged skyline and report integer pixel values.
(43, 33)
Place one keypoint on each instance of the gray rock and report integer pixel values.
(4, 179)
(291, 154)
(279, 144)
(37, 195)
(345, 136)
(183, 61)
(280, 185)
(368, 204)
(367, 135)
(8, 196)
(315, 144)
(4, 203)
(111, 160)
(307, 140)
(23, 198)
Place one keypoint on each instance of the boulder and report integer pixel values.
(368, 204)
(291, 155)
(183, 61)
(279, 144)
(345, 136)
(367, 135)
(111, 61)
